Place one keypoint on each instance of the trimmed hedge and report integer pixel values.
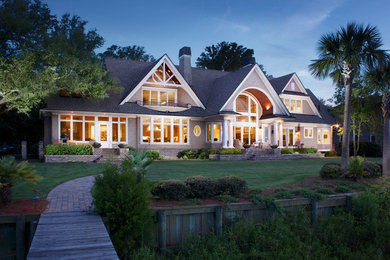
(201, 187)
(232, 185)
(230, 151)
(298, 150)
(171, 190)
(331, 171)
(59, 149)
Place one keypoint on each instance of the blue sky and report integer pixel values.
(283, 34)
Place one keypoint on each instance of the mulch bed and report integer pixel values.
(24, 207)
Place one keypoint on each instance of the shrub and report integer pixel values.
(154, 155)
(230, 151)
(227, 198)
(121, 196)
(171, 190)
(284, 194)
(137, 161)
(331, 171)
(131, 148)
(372, 169)
(305, 150)
(342, 189)
(187, 154)
(309, 194)
(231, 185)
(287, 151)
(256, 191)
(10, 171)
(331, 154)
(356, 166)
(201, 187)
(59, 149)
(204, 153)
(324, 190)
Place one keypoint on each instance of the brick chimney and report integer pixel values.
(185, 64)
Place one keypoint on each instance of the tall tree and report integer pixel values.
(41, 55)
(134, 52)
(345, 56)
(227, 56)
(379, 81)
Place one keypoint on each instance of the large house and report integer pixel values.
(170, 108)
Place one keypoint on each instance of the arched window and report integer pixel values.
(246, 124)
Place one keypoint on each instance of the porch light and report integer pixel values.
(267, 107)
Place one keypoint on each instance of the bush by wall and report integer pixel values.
(230, 151)
(187, 154)
(298, 150)
(201, 187)
(331, 154)
(59, 149)
(154, 155)
(331, 171)
(231, 185)
(171, 190)
(122, 197)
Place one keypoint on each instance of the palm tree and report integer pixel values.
(378, 80)
(345, 56)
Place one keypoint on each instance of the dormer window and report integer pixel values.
(293, 105)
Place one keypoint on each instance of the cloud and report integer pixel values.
(224, 24)
(303, 73)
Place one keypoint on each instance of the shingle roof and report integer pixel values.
(212, 87)
(281, 82)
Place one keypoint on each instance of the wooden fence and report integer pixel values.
(176, 223)
(16, 233)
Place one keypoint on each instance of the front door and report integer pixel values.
(103, 136)
(288, 137)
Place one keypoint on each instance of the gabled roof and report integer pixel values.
(280, 83)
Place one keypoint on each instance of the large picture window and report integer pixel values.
(159, 97)
(245, 125)
(80, 128)
(308, 132)
(323, 135)
(164, 130)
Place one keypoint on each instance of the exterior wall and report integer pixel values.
(255, 82)
(47, 135)
(306, 109)
(132, 132)
(290, 88)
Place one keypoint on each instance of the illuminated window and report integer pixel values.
(308, 132)
(214, 132)
(165, 130)
(159, 97)
(319, 138)
(323, 136)
(244, 125)
(197, 130)
(293, 105)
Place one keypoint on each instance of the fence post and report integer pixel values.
(348, 203)
(162, 230)
(314, 211)
(218, 220)
(24, 150)
(40, 150)
(20, 237)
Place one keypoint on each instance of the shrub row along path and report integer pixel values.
(68, 229)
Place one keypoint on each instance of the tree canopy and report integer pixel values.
(41, 55)
(134, 52)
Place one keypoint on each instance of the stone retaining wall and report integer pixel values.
(227, 157)
(97, 153)
(276, 156)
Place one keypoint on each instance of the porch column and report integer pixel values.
(231, 139)
(281, 134)
(262, 133)
(269, 133)
(224, 134)
(275, 133)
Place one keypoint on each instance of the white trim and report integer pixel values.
(303, 98)
(300, 85)
(200, 130)
(158, 90)
(179, 77)
(275, 98)
(304, 133)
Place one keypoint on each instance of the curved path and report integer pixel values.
(69, 229)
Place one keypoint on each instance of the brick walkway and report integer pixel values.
(74, 195)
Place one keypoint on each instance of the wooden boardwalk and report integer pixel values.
(67, 230)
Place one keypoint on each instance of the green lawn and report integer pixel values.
(257, 174)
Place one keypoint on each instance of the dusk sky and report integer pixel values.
(283, 34)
